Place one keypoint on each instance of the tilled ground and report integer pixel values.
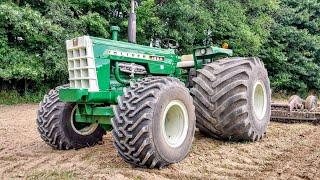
(290, 151)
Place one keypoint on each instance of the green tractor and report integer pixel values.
(152, 99)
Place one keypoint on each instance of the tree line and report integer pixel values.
(285, 34)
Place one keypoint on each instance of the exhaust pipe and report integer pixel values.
(132, 25)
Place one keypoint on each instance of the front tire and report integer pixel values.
(58, 128)
(154, 122)
(232, 98)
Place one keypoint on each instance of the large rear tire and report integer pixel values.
(58, 128)
(154, 122)
(232, 99)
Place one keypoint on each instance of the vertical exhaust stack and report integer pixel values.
(132, 25)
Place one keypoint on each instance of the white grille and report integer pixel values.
(81, 64)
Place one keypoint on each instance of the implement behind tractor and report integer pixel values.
(297, 110)
(152, 99)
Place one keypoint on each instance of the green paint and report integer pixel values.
(115, 30)
(83, 96)
(72, 95)
(87, 112)
(95, 107)
(117, 75)
(103, 73)
(211, 54)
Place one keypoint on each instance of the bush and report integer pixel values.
(285, 34)
(13, 97)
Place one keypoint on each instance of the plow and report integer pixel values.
(297, 110)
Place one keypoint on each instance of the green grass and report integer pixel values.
(13, 97)
(280, 96)
(286, 96)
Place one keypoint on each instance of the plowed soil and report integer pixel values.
(289, 151)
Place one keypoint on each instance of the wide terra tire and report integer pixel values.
(58, 128)
(154, 122)
(232, 97)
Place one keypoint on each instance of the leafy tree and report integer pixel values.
(285, 34)
(292, 51)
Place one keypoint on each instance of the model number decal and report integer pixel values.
(134, 55)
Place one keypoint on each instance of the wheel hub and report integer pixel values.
(259, 100)
(83, 129)
(175, 123)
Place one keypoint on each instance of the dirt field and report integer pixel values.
(288, 152)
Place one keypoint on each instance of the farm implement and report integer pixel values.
(152, 99)
(297, 110)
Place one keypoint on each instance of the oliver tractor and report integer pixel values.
(152, 99)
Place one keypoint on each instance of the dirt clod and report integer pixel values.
(289, 151)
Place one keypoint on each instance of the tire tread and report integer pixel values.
(49, 118)
(132, 122)
(224, 99)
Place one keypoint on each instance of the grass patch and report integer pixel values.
(280, 96)
(13, 97)
(284, 97)
(54, 174)
(138, 178)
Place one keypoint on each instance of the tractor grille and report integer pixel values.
(81, 64)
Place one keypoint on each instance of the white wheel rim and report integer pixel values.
(259, 99)
(175, 123)
(87, 130)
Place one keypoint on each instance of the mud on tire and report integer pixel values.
(227, 100)
(139, 123)
(55, 128)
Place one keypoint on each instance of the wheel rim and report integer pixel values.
(83, 129)
(259, 99)
(175, 123)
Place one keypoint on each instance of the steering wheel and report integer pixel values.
(170, 43)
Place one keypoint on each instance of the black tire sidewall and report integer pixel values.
(168, 153)
(259, 74)
(74, 138)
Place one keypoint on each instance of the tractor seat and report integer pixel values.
(186, 61)
(188, 57)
